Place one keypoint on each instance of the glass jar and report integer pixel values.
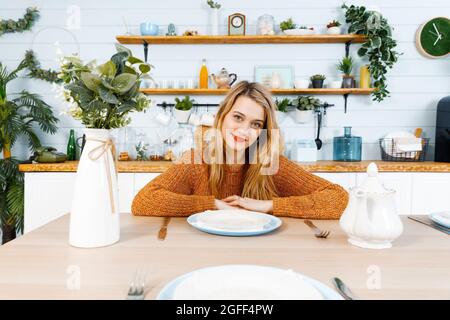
(156, 152)
(347, 147)
(265, 25)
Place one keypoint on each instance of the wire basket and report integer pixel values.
(389, 152)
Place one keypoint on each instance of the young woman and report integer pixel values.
(241, 167)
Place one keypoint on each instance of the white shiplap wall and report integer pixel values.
(416, 83)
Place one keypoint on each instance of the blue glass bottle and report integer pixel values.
(347, 147)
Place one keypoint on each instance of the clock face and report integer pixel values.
(237, 21)
(433, 37)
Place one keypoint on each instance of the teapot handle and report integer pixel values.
(232, 75)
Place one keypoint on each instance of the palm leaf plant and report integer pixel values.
(21, 114)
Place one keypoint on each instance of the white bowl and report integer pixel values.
(301, 83)
(334, 30)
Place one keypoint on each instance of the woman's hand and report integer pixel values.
(222, 205)
(265, 206)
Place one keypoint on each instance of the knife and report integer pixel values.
(163, 231)
(343, 289)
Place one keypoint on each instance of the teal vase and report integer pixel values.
(347, 147)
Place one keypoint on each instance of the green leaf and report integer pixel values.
(107, 69)
(107, 95)
(144, 68)
(134, 60)
(91, 81)
(124, 82)
(128, 69)
(121, 48)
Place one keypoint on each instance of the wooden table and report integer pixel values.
(41, 264)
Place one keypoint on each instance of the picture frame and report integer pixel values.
(271, 75)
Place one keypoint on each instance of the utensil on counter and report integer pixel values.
(343, 290)
(319, 123)
(163, 231)
(317, 232)
(137, 287)
(424, 219)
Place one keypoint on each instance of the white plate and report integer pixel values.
(441, 218)
(244, 282)
(234, 222)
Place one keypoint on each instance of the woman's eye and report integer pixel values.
(256, 125)
(237, 117)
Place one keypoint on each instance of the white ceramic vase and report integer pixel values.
(94, 219)
(214, 21)
(304, 116)
(182, 116)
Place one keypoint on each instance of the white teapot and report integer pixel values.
(370, 219)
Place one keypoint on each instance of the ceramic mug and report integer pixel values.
(207, 119)
(149, 29)
(194, 119)
(163, 118)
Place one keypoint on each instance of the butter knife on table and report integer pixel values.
(344, 291)
(163, 231)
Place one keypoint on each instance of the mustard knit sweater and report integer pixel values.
(184, 189)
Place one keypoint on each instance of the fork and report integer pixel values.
(317, 232)
(137, 287)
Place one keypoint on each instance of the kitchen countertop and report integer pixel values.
(319, 166)
(42, 265)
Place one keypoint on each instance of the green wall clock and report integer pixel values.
(433, 37)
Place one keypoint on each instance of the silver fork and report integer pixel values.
(317, 232)
(137, 287)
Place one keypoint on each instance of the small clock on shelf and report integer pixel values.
(433, 38)
(236, 24)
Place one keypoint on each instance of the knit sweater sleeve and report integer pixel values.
(170, 194)
(304, 195)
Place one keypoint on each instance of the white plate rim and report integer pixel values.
(326, 291)
(274, 224)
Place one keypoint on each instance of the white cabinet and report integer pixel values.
(344, 179)
(430, 192)
(48, 195)
(141, 179)
(401, 182)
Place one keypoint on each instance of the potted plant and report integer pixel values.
(346, 66)
(282, 109)
(334, 27)
(317, 80)
(22, 115)
(305, 107)
(183, 109)
(288, 26)
(102, 97)
(214, 16)
(379, 46)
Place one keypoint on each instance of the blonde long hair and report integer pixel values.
(263, 152)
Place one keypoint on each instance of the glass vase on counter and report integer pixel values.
(347, 147)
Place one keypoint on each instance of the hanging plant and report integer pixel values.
(37, 72)
(21, 25)
(379, 47)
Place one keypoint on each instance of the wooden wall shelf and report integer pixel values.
(250, 39)
(310, 91)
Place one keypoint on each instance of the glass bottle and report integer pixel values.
(71, 146)
(347, 147)
(203, 81)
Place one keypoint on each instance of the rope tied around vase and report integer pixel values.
(99, 151)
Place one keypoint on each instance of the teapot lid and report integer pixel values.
(372, 184)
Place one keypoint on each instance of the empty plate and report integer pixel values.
(245, 282)
(234, 222)
(441, 218)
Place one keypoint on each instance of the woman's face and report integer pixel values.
(242, 125)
